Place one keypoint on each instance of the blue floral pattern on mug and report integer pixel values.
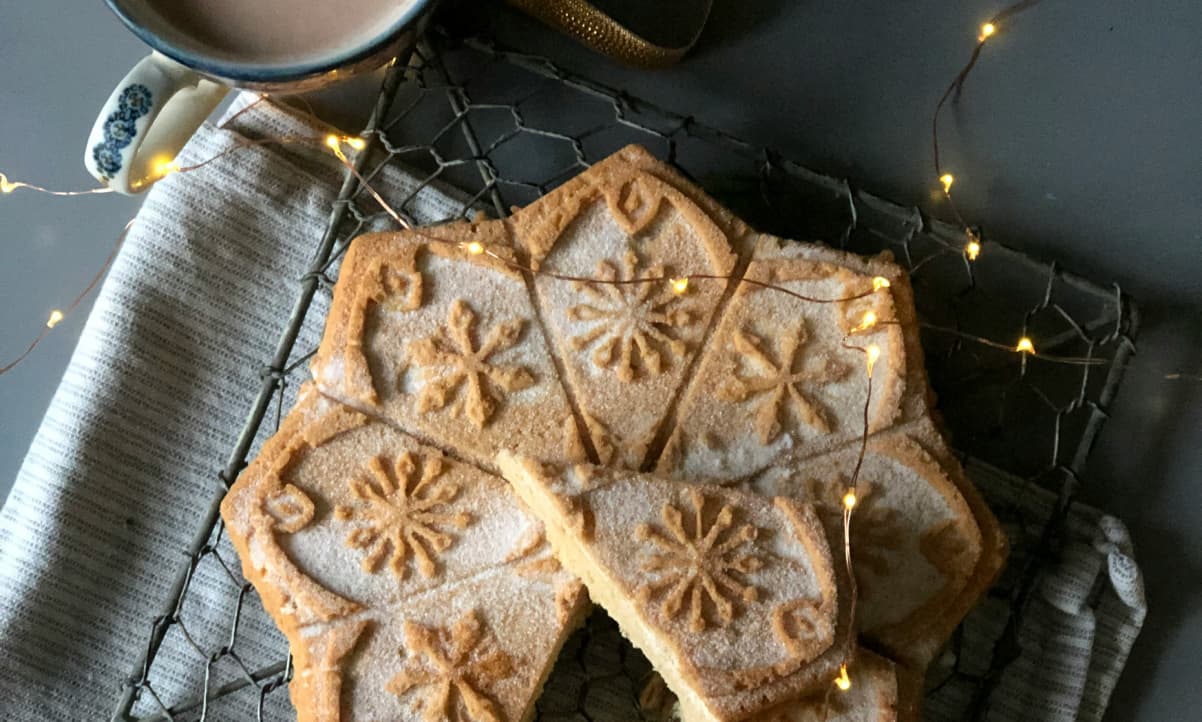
(137, 99)
(120, 128)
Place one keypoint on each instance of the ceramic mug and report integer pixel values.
(165, 98)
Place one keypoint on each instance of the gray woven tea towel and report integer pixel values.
(1078, 627)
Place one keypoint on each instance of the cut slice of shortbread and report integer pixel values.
(871, 696)
(410, 586)
(434, 330)
(732, 596)
(784, 374)
(916, 543)
(626, 346)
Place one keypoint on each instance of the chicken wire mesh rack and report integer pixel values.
(504, 128)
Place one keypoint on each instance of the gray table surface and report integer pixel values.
(1078, 140)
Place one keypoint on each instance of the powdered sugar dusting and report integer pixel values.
(777, 377)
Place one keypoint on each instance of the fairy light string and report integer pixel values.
(160, 168)
(678, 284)
(973, 247)
(338, 144)
(57, 315)
(8, 187)
(989, 29)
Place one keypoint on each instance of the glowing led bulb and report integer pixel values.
(867, 322)
(843, 682)
(55, 316)
(872, 353)
(475, 248)
(6, 186)
(947, 179)
(987, 31)
(972, 250)
(679, 285)
(1025, 346)
(165, 167)
(880, 282)
(849, 499)
(335, 142)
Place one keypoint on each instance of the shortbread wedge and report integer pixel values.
(409, 586)
(785, 373)
(627, 345)
(434, 330)
(732, 596)
(916, 544)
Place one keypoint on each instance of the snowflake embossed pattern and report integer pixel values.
(402, 514)
(700, 564)
(779, 385)
(450, 671)
(633, 322)
(454, 359)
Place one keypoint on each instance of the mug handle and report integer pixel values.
(149, 117)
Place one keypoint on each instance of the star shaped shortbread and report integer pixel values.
(705, 382)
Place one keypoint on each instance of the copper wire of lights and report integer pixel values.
(58, 315)
(988, 29)
(679, 285)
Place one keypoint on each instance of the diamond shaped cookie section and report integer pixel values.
(733, 597)
(348, 527)
(915, 541)
(432, 330)
(785, 372)
(627, 339)
(366, 513)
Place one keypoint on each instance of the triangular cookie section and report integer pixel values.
(409, 586)
(627, 343)
(784, 374)
(435, 331)
(732, 596)
(916, 543)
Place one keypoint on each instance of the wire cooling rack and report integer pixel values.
(505, 128)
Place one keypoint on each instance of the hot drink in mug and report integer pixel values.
(204, 47)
